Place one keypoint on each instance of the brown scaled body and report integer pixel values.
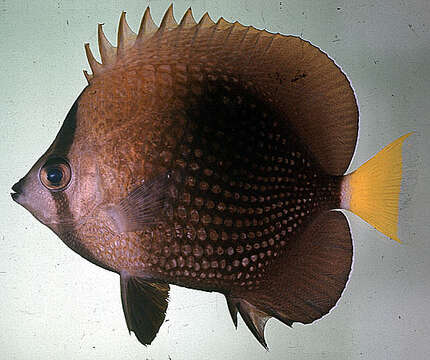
(236, 185)
(208, 156)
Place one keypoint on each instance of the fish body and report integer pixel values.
(209, 156)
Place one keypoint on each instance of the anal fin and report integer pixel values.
(233, 310)
(254, 318)
(303, 284)
(308, 281)
(144, 304)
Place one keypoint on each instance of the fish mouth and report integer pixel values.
(17, 190)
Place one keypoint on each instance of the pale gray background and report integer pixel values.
(55, 305)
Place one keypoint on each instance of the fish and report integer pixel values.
(213, 156)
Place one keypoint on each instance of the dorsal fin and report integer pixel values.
(307, 88)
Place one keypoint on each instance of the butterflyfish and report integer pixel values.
(213, 156)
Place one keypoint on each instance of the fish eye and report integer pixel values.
(55, 174)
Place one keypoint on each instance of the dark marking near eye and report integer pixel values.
(62, 207)
(61, 146)
(66, 135)
(68, 230)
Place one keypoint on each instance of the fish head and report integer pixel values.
(61, 188)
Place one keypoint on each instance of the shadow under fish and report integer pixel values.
(212, 156)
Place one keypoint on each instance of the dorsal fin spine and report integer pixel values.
(269, 44)
(95, 66)
(255, 319)
(254, 48)
(88, 76)
(223, 24)
(232, 310)
(188, 19)
(126, 37)
(206, 21)
(245, 33)
(168, 22)
(147, 26)
(106, 49)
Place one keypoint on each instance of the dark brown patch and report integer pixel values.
(61, 147)
(249, 187)
(64, 139)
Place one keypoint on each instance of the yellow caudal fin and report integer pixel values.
(372, 191)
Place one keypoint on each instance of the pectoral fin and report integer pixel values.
(146, 204)
(144, 304)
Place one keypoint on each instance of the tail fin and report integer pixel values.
(372, 191)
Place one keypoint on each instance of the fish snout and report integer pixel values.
(17, 188)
